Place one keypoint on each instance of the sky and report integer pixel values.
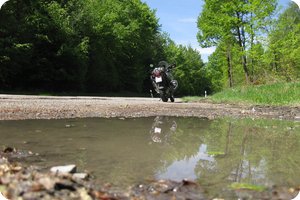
(179, 19)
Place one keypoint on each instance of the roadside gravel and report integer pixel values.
(21, 107)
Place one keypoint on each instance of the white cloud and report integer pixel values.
(206, 51)
(2, 2)
(194, 44)
(188, 20)
(297, 2)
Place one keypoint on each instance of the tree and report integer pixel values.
(189, 71)
(42, 46)
(231, 22)
(89, 46)
(283, 50)
(218, 71)
(94, 46)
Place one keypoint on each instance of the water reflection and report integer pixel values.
(186, 167)
(215, 153)
(162, 129)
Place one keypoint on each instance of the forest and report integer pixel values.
(107, 46)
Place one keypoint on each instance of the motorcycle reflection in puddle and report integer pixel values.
(162, 129)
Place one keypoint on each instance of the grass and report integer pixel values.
(239, 186)
(276, 94)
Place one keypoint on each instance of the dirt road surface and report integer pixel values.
(21, 107)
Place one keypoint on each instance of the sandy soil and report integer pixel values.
(20, 107)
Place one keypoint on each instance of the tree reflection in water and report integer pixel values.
(260, 152)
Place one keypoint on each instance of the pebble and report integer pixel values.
(64, 169)
(82, 176)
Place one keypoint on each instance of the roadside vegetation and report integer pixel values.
(88, 47)
(273, 94)
(106, 47)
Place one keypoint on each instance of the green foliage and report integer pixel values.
(282, 56)
(217, 71)
(235, 27)
(245, 51)
(238, 186)
(190, 71)
(216, 153)
(92, 46)
(275, 94)
(88, 46)
(106, 46)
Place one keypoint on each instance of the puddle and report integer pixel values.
(214, 153)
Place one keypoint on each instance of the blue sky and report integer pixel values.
(179, 19)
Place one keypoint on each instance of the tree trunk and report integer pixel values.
(242, 42)
(244, 58)
(229, 64)
(251, 48)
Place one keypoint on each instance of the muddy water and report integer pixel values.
(215, 153)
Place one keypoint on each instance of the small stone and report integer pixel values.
(80, 176)
(84, 194)
(16, 168)
(47, 183)
(65, 185)
(9, 150)
(64, 169)
(2, 197)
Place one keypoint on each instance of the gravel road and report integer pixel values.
(21, 107)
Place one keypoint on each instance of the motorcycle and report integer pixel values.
(163, 82)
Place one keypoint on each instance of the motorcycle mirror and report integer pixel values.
(151, 65)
